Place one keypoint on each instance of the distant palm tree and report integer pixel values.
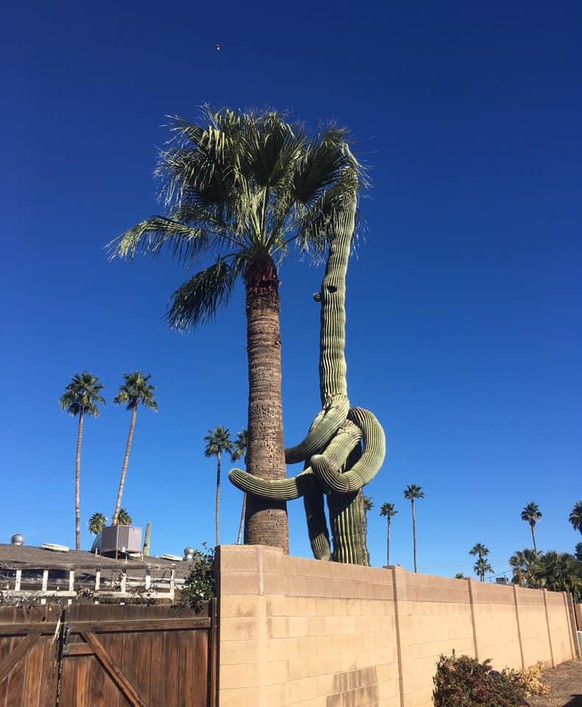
(123, 517)
(525, 565)
(459, 575)
(578, 552)
(561, 572)
(239, 449)
(218, 441)
(482, 565)
(96, 523)
(388, 510)
(79, 399)
(411, 493)
(576, 516)
(134, 391)
(532, 515)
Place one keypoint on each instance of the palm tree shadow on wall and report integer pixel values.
(354, 687)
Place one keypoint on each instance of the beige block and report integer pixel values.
(277, 605)
(276, 671)
(238, 676)
(300, 690)
(298, 626)
(282, 648)
(237, 629)
(237, 583)
(275, 695)
(238, 558)
(277, 627)
(276, 584)
(236, 652)
(238, 606)
(240, 698)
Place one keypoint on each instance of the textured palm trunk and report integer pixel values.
(413, 533)
(265, 520)
(217, 510)
(78, 482)
(125, 465)
(533, 536)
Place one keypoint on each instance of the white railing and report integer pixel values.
(151, 583)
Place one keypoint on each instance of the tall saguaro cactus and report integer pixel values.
(345, 446)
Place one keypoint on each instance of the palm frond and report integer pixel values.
(155, 233)
(197, 300)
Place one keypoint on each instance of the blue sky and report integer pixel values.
(464, 297)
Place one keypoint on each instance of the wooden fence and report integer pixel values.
(87, 655)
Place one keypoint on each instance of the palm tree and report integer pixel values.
(123, 517)
(482, 565)
(411, 493)
(244, 187)
(134, 391)
(525, 564)
(239, 449)
(218, 441)
(576, 516)
(80, 398)
(561, 572)
(388, 510)
(532, 515)
(96, 523)
(578, 552)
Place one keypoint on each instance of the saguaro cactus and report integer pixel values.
(345, 446)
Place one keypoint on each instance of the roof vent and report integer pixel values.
(53, 547)
(188, 554)
(17, 539)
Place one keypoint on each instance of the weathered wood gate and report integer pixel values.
(108, 656)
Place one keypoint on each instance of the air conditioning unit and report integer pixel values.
(120, 538)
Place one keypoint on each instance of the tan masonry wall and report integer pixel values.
(302, 633)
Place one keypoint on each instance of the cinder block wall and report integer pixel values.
(302, 633)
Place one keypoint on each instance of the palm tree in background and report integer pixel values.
(532, 515)
(412, 493)
(245, 187)
(578, 552)
(81, 397)
(525, 566)
(239, 450)
(388, 511)
(123, 517)
(134, 391)
(482, 565)
(561, 572)
(576, 516)
(96, 523)
(217, 441)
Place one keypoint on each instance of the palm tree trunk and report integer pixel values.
(388, 545)
(413, 533)
(125, 465)
(218, 460)
(533, 536)
(265, 520)
(78, 482)
(242, 520)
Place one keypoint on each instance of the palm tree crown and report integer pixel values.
(134, 391)
(242, 187)
(217, 441)
(532, 515)
(96, 523)
(482, 565)
(81, 397)
(124, 518)
(388, 511)
(576, 516)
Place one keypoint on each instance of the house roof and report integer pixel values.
(27, 557)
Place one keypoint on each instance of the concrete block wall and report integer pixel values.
(301, 633)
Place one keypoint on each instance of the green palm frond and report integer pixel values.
(82, 395)
(197, 300)
(152, 235)
(217, 441)
(136, 390)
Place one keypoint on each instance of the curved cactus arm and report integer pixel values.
(325, 425)
(316, 521)
(280, 490)
(327, 467)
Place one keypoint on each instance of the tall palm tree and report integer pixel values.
(133, 392)
(243, 188)
(532, 515)
(217, 441)
(576, 516)
(388, 510)
(96, 523)
(239, 449)
(561, 572)
(411, 493)
(81, 397)
(482, 565)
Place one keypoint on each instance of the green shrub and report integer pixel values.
(200, 584)
(465, 682)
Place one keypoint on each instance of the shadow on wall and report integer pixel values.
(576, 702)
(354, 687)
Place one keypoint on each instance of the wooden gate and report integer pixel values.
(108, 656)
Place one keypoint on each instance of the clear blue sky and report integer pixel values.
(464, 300)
